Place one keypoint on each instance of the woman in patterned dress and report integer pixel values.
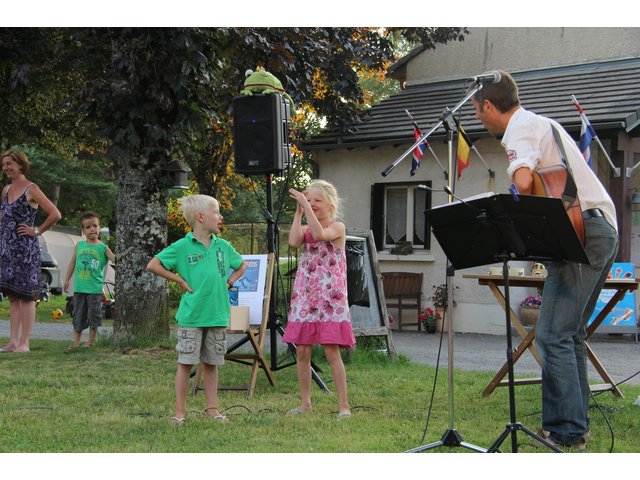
(319, 311)
(19, 247)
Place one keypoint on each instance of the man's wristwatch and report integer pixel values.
(36, 230)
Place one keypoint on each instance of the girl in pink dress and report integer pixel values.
(319, 311)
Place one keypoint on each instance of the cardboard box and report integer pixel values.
(239, 318)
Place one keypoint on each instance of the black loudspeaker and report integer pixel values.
(261, 134)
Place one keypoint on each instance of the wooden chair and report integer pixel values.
(404, 290)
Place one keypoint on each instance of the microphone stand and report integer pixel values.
(476, 88)
(451, 437)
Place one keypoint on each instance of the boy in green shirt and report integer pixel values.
(87, 263)
(200, 263)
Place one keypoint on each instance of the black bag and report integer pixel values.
(358, 292)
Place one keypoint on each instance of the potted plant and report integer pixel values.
(440, 297)
(429, 319)
(402, 248)
(530, 309)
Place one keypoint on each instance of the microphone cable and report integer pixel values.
(435, 380)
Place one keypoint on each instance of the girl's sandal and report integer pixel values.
(218, 418)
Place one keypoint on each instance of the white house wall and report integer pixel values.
(525, 48)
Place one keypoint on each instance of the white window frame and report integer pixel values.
(411, 190)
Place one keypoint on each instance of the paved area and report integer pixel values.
(620, 354)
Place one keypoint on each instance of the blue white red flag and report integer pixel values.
(418, 152)
(586, 136)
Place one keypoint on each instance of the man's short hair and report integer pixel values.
(503, 95)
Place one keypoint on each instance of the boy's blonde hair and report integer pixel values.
(330, 195)
(191, 205)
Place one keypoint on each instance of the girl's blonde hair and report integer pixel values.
(330, 195)
(191, 205)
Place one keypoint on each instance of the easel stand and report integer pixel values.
(255, 336)
(504, 228)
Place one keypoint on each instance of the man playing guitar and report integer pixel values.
(532, 143)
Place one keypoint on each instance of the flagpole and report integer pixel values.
(427, 144)
(616, 171)
(492, 174)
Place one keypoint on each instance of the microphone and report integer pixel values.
(448, 191)
(481, 214)
(425, 187)
(489, 77)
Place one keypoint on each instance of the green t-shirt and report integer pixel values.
(90, 263)
(206, 271)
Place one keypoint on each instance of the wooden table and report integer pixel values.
(621, 287)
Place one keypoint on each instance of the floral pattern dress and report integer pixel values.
(319, 310)
(19, 254)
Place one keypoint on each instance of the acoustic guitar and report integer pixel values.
(556, 182)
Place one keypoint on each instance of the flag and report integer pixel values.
(586, 136)
(463, 150)
(418, 151)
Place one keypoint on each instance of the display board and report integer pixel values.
(622, 319)
(371, 320)
(251, 286)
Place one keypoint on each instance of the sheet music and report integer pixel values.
(468, 199)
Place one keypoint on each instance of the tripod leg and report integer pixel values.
(513, 428)
(450, 438)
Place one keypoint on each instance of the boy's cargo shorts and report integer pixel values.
(201, 344)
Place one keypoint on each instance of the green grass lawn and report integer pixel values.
(108, 399)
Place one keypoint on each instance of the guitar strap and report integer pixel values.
(570, 188)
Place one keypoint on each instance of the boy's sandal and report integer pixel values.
(178, 421)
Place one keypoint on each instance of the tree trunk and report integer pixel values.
(55, 194)
(142, 300)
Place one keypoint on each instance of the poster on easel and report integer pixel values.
(622, 319)
(251, 286)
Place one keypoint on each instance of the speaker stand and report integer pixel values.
(274, 325)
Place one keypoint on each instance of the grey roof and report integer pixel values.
(609, 93)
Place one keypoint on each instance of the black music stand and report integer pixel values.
(500, 228)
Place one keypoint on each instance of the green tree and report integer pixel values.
(75, 185)
(145, 96)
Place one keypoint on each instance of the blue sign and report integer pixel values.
(624, 313)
